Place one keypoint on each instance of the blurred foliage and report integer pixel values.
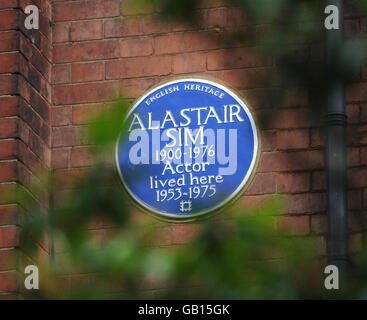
(101, 249)
(239, 254)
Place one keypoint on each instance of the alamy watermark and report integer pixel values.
(32, 20)
(332, 20)
(332, 280)
(31, 281)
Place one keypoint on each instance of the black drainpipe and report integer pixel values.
(336, 120)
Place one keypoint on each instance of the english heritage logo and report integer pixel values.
(191, 146)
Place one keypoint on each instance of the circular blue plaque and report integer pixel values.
(189, 147)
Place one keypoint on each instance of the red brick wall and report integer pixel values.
(25, 133)
(356, 98)
(55, 78)
(106, 46)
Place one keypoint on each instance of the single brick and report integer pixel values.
(364, 69)
(138, 67)
(83, 72)
(307, 203)
(318, 181)
(184, 233)
(61, 116)
(86, 93)
(8, 282)
(8, 149)
(293, 182)
(269, 140)
(357, 177)
(85, 113)
(60, 158)
(188, 63)
(8, 4)
(355, 200)
(9, 215)
(353, 113)
(82, 157)
(319, 223)
(61, 74)
(86, 30)
(8, 19)
(136, 47)
(8, 84)
(291, 119)
(68, 136)
(351, 27)
(78, 10)
(353, 157)
(9, 62)
(85, 51)
(301, 160)
(364, 156)
(263, 183)
(248, 78)
(9, 128)
(317, 137)
(8, 171)
(185, 42)
(9, 106)
(7, 260)
(8, 237)
(122, 27)
(130, 7)
(356, 92)
(356, 242)
(7, 193)
(293, 139)
(9, 41)
(235, 58)
(68, 177)
(61, 32)
(295, 97)
(294, 225)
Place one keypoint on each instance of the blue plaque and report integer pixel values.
(189, 147)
